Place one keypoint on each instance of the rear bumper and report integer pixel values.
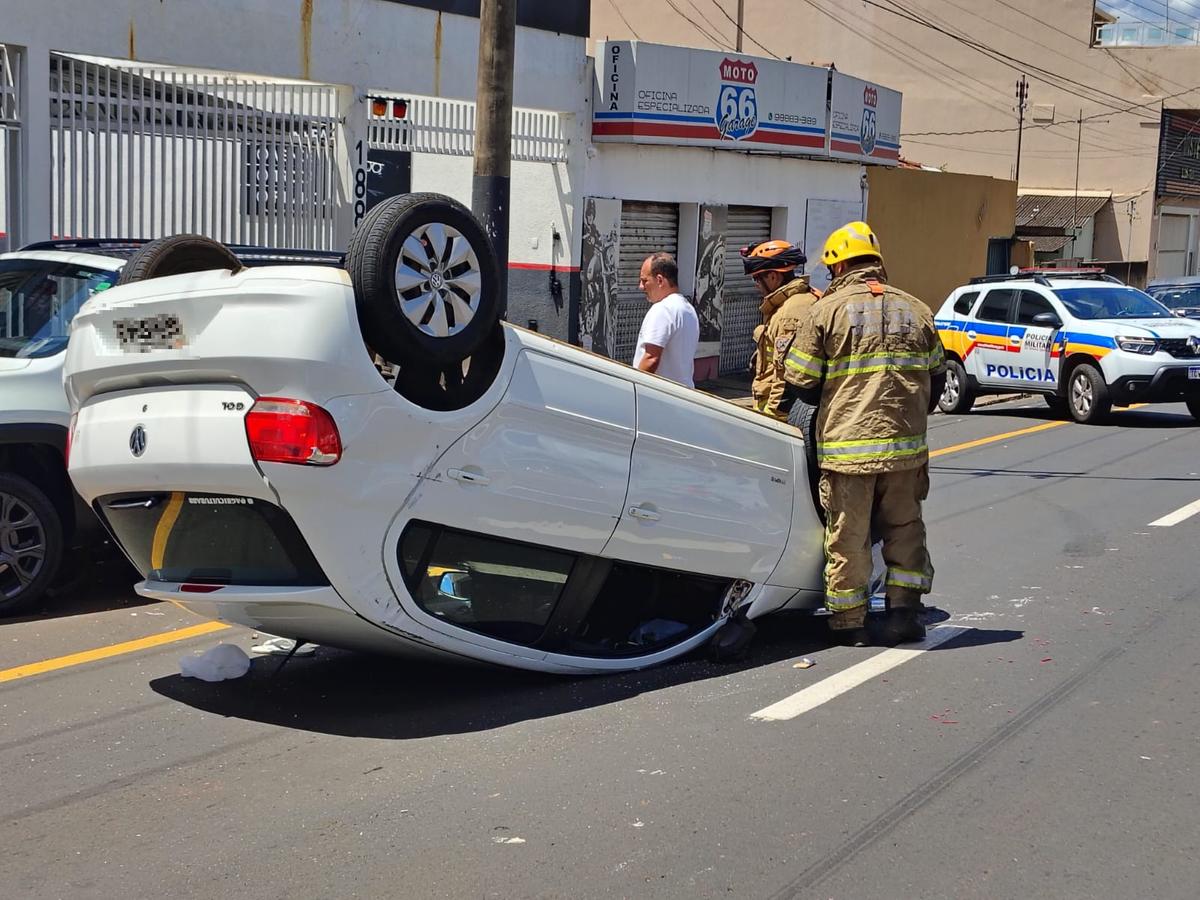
(317, 615)
(1167, 385)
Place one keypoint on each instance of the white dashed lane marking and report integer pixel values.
(1180, 515)
(848, 679)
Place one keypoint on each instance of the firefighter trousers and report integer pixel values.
(888, 504)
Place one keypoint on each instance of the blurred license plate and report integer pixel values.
(1194, 373)
(161, 332)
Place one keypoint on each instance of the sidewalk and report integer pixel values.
(729, 387)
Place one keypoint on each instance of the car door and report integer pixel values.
(1038, 356)
(548, 466)
(990, 351)
(709, 492)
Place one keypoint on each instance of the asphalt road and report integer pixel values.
(1046, 749)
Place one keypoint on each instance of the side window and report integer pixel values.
(1031, 304)
(963, 304)
(496, 587)
(996, 306)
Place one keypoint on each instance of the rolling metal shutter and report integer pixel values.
(645, 229)
(746, 226)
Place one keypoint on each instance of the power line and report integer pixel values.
(1052, 78)
(709, 36)
(613, 4)
(747, 34)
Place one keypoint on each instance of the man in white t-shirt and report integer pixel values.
(671, 330)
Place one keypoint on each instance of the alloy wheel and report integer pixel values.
(438, 280)
(1081, 395)
(22, 545)
(952, 389)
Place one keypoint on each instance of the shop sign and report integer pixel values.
(864, 121)
(655, 94)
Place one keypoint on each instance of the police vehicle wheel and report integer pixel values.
(957, 396)
(803, 417)
(177, 255)
(426, 280)
(1087, 395)
(1193, 406)
(31, 544)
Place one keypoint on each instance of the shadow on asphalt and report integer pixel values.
(1047, 473)
(92, 579)
(356, 695)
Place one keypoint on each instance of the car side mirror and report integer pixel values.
(1048, 320)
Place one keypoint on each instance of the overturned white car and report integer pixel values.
(507, 498)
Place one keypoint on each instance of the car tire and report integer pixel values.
(28, 518)
(417, 301)
(1088, 398)
(1056, 404)
(957, 396)
(1193, 405)
(803, 417)
(177, 255)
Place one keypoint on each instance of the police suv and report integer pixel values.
(1080, 338)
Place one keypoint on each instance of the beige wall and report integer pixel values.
(949, 87)
(934, 227)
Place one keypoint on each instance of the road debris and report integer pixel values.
(805, 663)
(223, 662)
(507, 840)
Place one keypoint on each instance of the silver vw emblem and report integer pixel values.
(1194, 343)
(137, 441)
(436, 281)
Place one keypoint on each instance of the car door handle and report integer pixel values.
(1014, 339)
(972, 335)
(646, 515)
(469, 477)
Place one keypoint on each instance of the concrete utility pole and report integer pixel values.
(741, 20)
(1075, 208)
(493, 127)
(1022, 96)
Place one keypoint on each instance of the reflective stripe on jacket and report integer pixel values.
(872, 349)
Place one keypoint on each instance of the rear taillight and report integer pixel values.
(292, 431)
(70, 439)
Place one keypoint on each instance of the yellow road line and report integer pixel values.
(87, 656)
(1045, 426)
(969, 445)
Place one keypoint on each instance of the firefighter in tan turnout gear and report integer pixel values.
(870, 355)
(777, 270)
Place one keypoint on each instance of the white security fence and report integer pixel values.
(142, 151)
(10, 146)
(447, 127)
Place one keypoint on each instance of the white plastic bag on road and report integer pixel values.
(223, 662)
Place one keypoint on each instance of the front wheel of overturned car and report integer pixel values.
(1088, 398)
(426, 280)
(31, 544)
(803, 416)
(957, 396)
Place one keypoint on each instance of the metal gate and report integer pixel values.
(10, 147)
(145, 152)
(740, 300)
(1176, 240)
(645, 228)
